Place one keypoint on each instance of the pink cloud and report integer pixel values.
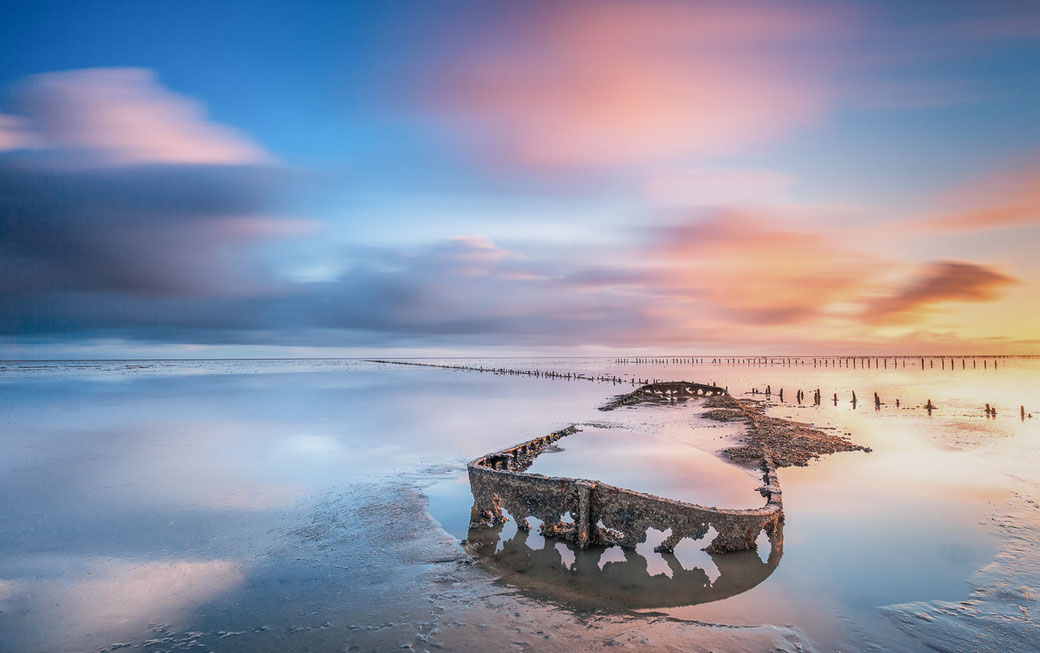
(718, 278)
(747, 268)
(605, 84)
(478, 249)
(1007, 199)
(715, 186)
(121, 116)
(15, 134)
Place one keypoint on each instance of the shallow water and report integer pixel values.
(666, 468)
(264, 505)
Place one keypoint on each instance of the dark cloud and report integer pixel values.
(466, 290)
(153, 230)
(123, 209)
(461, 291)
(942, 281)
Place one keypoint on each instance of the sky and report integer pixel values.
(209, 179)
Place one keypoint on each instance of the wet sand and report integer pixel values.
(273, 506)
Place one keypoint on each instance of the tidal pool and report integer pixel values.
(639, 461)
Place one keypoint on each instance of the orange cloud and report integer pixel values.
(605, 84)
(757, 272)
(942, 281)
(1009, 199)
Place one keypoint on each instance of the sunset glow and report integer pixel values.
(457, 177)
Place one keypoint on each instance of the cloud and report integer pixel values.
(715, 186)
(120, 116)
(461, 290)
(15, 134)
(127, 189)
(148, 233)
(607, 84)
(717, 277)
(1007, 199)
(476, 255)
(469, 288)
(748, 268)
(169, 230)
(940, 282)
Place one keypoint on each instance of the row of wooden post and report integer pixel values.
(991, 411)
(867, 362)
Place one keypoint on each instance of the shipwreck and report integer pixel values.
(589, 512)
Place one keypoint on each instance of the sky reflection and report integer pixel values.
(211, 484)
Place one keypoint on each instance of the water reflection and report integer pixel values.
(585, 582)
(78, 602)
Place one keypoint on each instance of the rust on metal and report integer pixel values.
(590, 512)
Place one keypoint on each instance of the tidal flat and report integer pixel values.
(322, 504)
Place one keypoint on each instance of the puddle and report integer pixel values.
(642, 462)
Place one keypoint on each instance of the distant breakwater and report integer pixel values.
(852, 362)
(542, 374)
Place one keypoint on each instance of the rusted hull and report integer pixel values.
(590, 512)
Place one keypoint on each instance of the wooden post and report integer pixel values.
(582, 520)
